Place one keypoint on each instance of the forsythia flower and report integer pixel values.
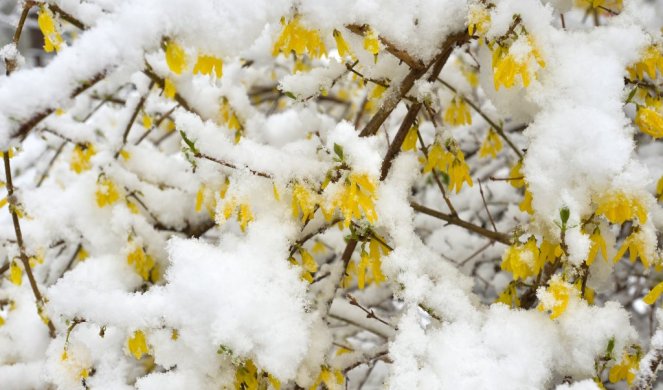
(598, 243)
(143, 263)
(459, 172)
(137, 344)
(556, 297)
(80, 157)
(509, 296)
(106, 193)
(169, 89)
(372, 260)
(650, 121)
(333, 379)
(52, 38)
(410, 142)
(507, 65)
(15, 273)
(654, 294)
(478, 20)
(659, 189)
(458, 114)
(522, 260)
(438, 157)
(247, 377)
(175, 57)
(526, 204)
(357, 197)
(229, 117)
(372, 43)
(649, 63)
(147, 121)
(625, 369)
(491, 145)
(308, 264)
(298, 39)
(342, 45)
(637, 247)
(244, 214)
(304, 202)
(619, 207)
(207, 64)
(516, 175)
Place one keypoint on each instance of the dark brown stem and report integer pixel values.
(497, 236)
(13, 206)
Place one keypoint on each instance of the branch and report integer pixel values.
(496, 236)
(21, 246)
(650, 364)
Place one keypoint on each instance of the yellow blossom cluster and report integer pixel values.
(333, 379)
(242, 210)
(648, 64)
(142, 262)
(525, 260)
(106, 193)
(368, 260)
(137, 344)
(507, 65)
(450, 160)
(491, 145)
(80, 157)
(248, 377)
(295, 38)
(457, 113)
(555, 298)
(626, 369)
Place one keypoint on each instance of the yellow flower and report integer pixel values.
(650, 121)
(619, 207)
(659, 189)
(516, 174)
(410, 142)
(207, 64)
(15, 273)
(169, 89)
(229, 117)
(303, 202)
(509, 296)
(438, 157)
(478, 20)
(549, 252)
(52, 38)
(458, 113)
(80, 157)
(636, 246)
(175, 57)
(142, 262)
(372, 260)
(522, 260)
(649, 63)
(356, 198)
(246, 376)
(342, 45)
(654, 294)
(244, 216)
(137, 344)
(556, 297)
(298, 39)
(526, 204)
(333, 379)
(372, 43)
(459, 172)
(106, 193)
(506, 65)
(625, 369)
(598, 243)
(491, 145)
(147, 121)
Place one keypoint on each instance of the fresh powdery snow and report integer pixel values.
(315, 194)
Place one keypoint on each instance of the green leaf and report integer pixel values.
(630, 95)
(338, 149)
(290, 95)
(189, 143)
